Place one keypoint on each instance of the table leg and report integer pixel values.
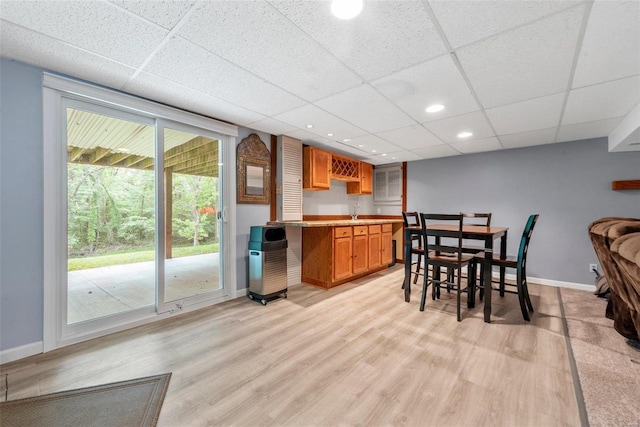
(488, 254)
(407, 265)
(503, 255)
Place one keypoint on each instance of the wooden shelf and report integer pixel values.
(630, 184)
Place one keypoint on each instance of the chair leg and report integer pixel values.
(526, 291)
(415, 279)
(424, 293)
(502, 281)
(458, 294)
(521, 297)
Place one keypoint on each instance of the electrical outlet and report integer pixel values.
(593, 267)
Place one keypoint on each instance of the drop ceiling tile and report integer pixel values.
(437, 81)
(603, 101)
(448, 129)
(166, 13)
(410, 137)
(489, 17)
(587, 130)
(436, 151)
(216, 77)
(323, 122)
(256, 37)
(539, 113)
(611, 45)
(35, 48)
(527, 62)
(526, 139)
(363, 106)
(387, 35)
(478, 145)
(399, 156)
(99, 27)
(162, 90)
(308, 137)
(372, 144)
(274, 127)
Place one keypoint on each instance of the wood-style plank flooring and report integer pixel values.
(354, 355)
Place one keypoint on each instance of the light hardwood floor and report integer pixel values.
(354, 355)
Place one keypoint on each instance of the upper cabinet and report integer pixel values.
(320, 167)
(316, 168)
(365, 184)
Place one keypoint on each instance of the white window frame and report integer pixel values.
(387, 195)
(55, 90)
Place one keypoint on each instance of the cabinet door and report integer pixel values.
(375, 259)
(317, 169)
(342, 252)
(360, 248)
(365, 184)
(386, 243)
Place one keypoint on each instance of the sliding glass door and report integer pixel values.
(191, 216)
(134, 225)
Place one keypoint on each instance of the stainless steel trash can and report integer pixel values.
(267, 263)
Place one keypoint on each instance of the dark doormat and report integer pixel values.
(134, 402)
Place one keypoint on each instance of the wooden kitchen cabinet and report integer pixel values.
(342, 252)
(386, 239)
(365, 185)
(333, 255)
(360, 249)
(316, 169)
(375, 256)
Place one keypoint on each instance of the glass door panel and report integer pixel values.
(192, 233)
(110, 215)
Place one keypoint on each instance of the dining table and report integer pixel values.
(469, 232)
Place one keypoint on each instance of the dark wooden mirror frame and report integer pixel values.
(253, 155)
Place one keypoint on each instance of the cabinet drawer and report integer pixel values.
(386, 228)
(360, 230)
(374, 229)
(341, 232)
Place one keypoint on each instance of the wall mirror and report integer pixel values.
(254, 171)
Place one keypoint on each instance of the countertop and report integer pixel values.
(336, 222)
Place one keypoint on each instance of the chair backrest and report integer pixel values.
(524, 241)
(447, 242)
(478, 218)
(412, 219)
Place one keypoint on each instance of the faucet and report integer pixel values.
(355, 211)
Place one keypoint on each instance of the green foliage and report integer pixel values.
(110, 208)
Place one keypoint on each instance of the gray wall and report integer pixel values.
(21, 204)
(568, 184)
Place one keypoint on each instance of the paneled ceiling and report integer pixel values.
(513, 73)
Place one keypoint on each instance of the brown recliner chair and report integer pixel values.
(616, 244)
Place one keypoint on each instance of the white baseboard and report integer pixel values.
(549, 282)
(242, 292)
(12, 354)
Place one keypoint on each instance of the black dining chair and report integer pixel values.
(481, 219)
(444, 249)
(411, 219)
(519, 263)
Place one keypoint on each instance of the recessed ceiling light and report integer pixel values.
(309, 126)
(465, 134)
(329, 134)
(393, 158)
(346, 9)
(346, 140)
(374, 151)
(383, 154)
(435, 108)
(361, 146)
